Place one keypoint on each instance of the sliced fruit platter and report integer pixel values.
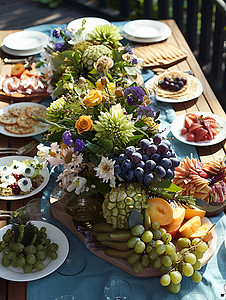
(160, 239)
(199, 128)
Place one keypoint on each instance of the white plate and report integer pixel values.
(145, 29)
(165, 35)
(56, 236)
(178, 124)
(91, 22)
(22, 53)
(37, 128)
(7, 160)
(25, 40)
(198, 92)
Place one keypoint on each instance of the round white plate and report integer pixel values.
(178, 124)
(25, 40)
(198, 92)
(145, 29)
(37, 128)
(6, 161)
(22, 53)
(56, 236)
(165, 35)
(91, 22)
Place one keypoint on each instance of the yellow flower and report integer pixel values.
(99, 85)
(93, 98)
(84, 123)
(111, 87)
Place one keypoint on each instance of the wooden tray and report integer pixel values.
(22, 97)
(161, 54)
(57, 208)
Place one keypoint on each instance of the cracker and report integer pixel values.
(36, 111)
(16, 129)
(16, 111)
(7, 118)
(24, 120)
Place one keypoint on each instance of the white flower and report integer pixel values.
(105, 170)
(43, 151)
(78, 184)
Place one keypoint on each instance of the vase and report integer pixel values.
(84, 208)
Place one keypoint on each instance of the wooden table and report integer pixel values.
(206, 102)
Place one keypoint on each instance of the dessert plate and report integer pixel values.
(56, 236)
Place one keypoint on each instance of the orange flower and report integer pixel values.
(84, 123)
(93, 98)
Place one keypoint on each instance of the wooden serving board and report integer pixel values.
(161, 54)
(22, 97)
(57, 208)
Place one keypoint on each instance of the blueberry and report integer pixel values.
(136, 157)
(156, 157)
(148, 178)
(169, 174)
(151, 149)
(144, 143)
(141, 164)
(127, 164)
(130, 150)
(160, 171)
(122, 157)
(166, 163)
(175, 162)
(145, 157)
(139, 174)
(117, 169)
(163, 148)
(157, 139)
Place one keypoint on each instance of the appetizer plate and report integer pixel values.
(39, 128)
(22, 52)
(7, 160)
(91, 22)
(145, 29)
(178, 124)
(25, 40)
(56, 236)
(198, 92)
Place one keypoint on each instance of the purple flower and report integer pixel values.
(79, 145)
(146, 111)
(134, 61)
(136, 93)
(130, 101)
(129, 50)
(56, 33)
(58, 46)
(66, 138)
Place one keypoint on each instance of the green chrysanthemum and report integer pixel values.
(56, 110)
(106, 35)
(114, 126)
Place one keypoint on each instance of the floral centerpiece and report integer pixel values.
(74, 54)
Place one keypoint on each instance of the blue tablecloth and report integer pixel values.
(89, 284)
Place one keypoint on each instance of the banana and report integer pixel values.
(118, 253)
(102, 227)
(147, 220)
(115, 245)
(119, 235)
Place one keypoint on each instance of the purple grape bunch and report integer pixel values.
(154, 159)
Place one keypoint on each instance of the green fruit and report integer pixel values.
(92, 53)
(119, 202)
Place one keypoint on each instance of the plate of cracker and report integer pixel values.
(174, 87)
(16, 120)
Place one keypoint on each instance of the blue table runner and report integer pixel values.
(89, 285)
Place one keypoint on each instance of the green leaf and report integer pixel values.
(58, 91)
(102, 187)
(106, 145)
(45, 1)
(166, 185)
(135, 218)
(201, 204)
(94, 159)
(56, 137)
(94, 148)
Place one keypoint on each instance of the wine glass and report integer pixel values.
(68, 297)
(74, 264)
(38, 209)
(117, 289)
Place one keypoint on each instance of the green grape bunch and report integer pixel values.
(27, 247)
(153, 246)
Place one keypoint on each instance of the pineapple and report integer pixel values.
(119, 202)
(92, 53)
